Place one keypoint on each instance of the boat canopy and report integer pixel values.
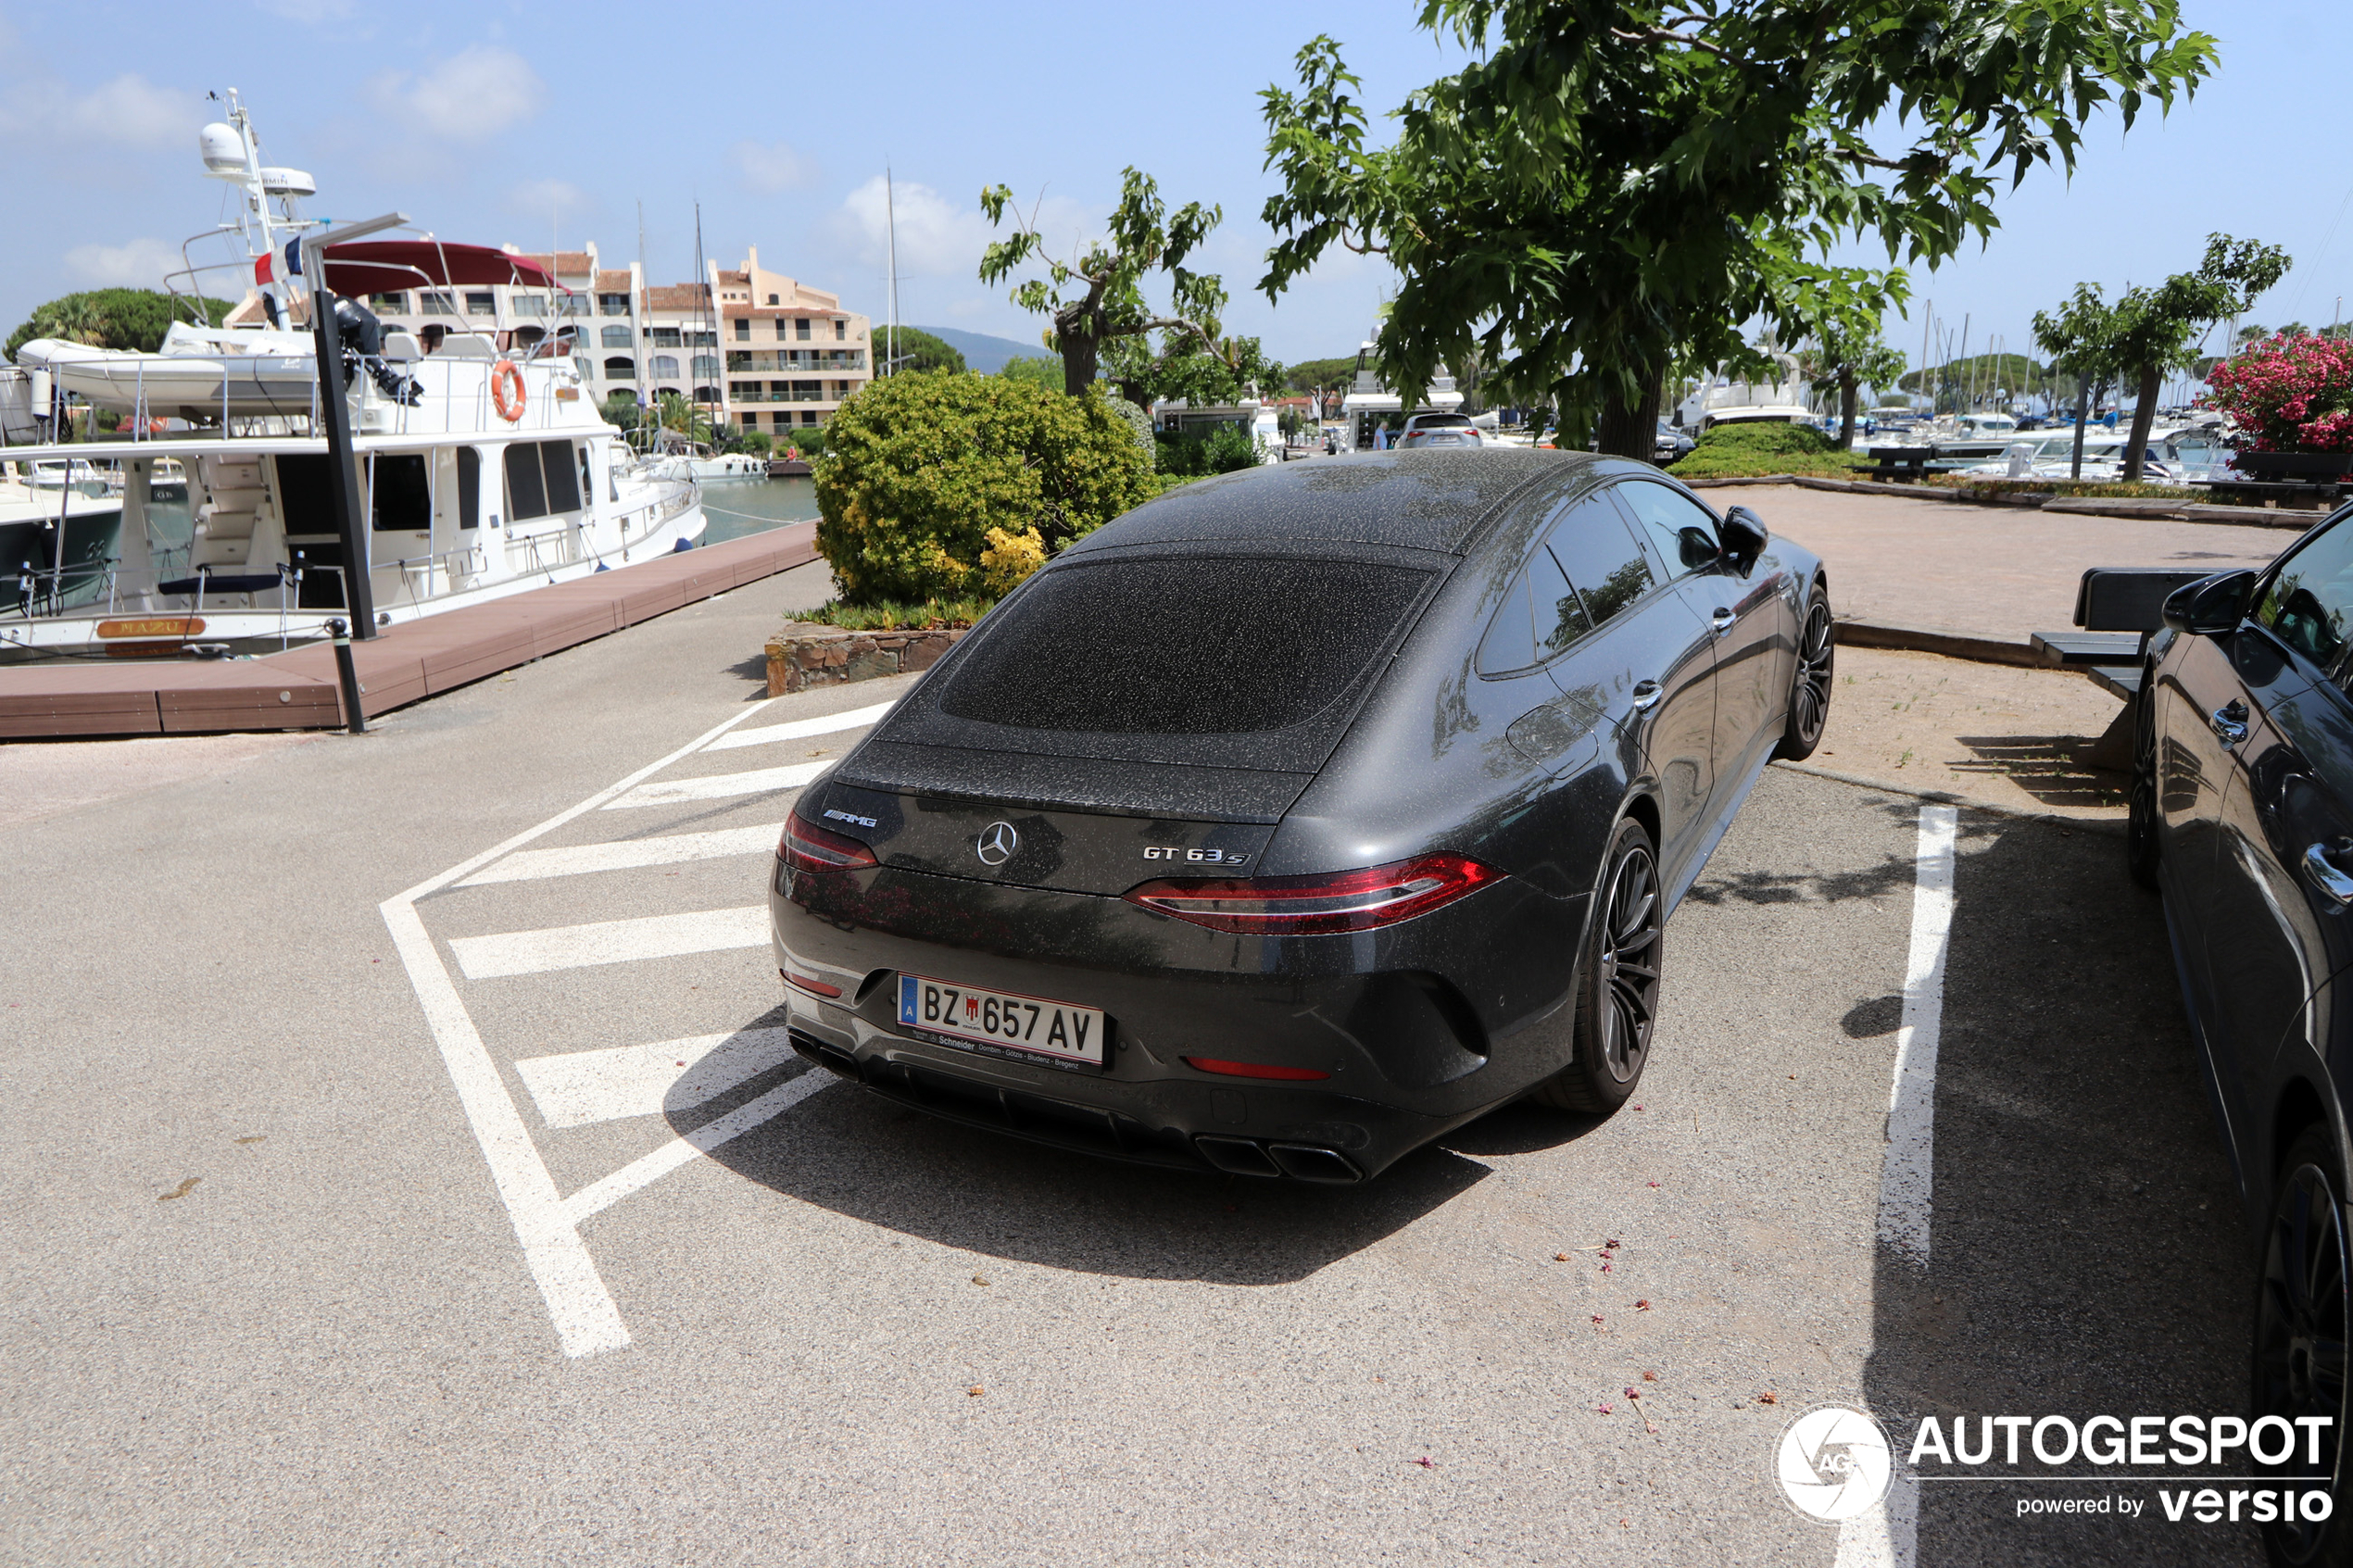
(365, 267)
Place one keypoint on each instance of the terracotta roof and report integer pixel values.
(613, 279)
(677, 296)
(727, 277)
(568, 263)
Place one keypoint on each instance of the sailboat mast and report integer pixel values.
(890, 230)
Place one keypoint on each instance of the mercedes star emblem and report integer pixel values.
(998, 841)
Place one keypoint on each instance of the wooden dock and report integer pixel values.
(296, 690)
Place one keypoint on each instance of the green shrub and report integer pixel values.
(1748, 451)
(919, 468)
(930, 616)
(1226, 449)
(1990, 484)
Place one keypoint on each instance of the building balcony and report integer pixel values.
(784, 398)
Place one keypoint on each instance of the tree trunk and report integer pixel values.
(2083, 411)
(1079, 355)
(2143, 416)
(1630, 430)
(1846, 411)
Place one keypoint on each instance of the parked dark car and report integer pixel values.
(1303, 814)
(2242, 818)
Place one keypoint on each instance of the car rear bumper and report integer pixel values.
(1393, 1018)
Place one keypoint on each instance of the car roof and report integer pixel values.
(1417, 498)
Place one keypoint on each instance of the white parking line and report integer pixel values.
(600, 1195)
(718, 786)
(1908, 1171)
(625, 854)
(801, 729)
(581, 1087)
(610, 941)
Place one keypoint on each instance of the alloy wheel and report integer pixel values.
(2300, 1331)
(1630, 964)
(1810, 697)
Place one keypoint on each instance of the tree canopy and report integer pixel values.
(918, 350)
(1309, 374)
(2160, 329)
(1610, 189)
(1097, 296)
(1183, 369)
(126, 318)
(1045, 369)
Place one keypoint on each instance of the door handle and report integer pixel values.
(1722, 621)
(2230, 723)
(1646, 694)
(2322, 873)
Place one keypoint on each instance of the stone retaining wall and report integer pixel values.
(805, 654)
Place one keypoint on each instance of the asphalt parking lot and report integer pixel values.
(678, 1303)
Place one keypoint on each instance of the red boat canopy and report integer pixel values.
(365, 267)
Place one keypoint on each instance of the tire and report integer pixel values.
(2302, 1325)
(1618, 982)
(2141, 847)
(1809, 686)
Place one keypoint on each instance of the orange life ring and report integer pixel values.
(504, 376)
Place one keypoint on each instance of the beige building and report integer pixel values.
(792, 354)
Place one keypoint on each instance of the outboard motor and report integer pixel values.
(362, 337)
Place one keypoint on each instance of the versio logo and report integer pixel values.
(1833, 1464)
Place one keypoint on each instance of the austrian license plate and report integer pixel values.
(1000, 1022)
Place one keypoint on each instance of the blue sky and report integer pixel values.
(496, 122)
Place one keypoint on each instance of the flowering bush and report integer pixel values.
(2290, 394)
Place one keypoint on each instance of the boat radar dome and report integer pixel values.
(224, 151)
(288, 182)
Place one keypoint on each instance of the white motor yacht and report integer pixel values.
(481, 472)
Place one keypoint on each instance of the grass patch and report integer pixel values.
(1753, 451)
(932, 615)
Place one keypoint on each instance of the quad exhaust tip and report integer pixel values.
(1302, 1162)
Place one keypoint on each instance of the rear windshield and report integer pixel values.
(1196, 645)
(1441, 421)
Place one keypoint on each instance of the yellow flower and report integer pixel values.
(1011, 557)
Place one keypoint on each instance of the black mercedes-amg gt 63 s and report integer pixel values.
(1303, 814)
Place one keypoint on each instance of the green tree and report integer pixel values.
(1097, 296)
(2159, 329)
(1847, 354)
(2081, 337)
(919, 470)
(917, 350)
(1045, 369)
(1611, 188)
(690, 419)
(126, 318)
(1183, 369)
(1329, 374)
(621, 411)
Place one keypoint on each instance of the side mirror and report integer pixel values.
(1744, 536)
(2210, 607)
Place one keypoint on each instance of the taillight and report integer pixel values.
(1310, 906)
(808, 848)
(1251, 1069)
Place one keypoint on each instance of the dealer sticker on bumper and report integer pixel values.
(1000, 1022)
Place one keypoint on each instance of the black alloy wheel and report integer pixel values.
(2140, 811)
(1617, 984)
(1809, 691)
(2301, 1329)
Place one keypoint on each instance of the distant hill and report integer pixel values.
(988, 354)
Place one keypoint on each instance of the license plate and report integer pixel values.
(1000, 1022)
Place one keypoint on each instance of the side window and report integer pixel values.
(398, 493)
(1560, 619)
(1510, 643)
(1682, 533)
(468, 487)
(1594, 547)
(526, 487)
(2308, 603)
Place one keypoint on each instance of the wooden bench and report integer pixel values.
(2119, 609)
(1901, 463)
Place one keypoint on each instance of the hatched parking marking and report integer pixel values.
(801, 729)
(610, 941)
(627, 854)
(679, 792)
(582, 1088)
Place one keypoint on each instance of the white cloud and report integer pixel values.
(129, 111)
(556, 200)
(772, 168)
(309, 12)
(469, 97)
(139, 264)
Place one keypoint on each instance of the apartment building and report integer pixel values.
(791, 353)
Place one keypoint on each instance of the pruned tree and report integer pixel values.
(2160, 329)
(2082, 339)
(1844, 357)
(1610, 187)
(1182, 368)
(1097, 298)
